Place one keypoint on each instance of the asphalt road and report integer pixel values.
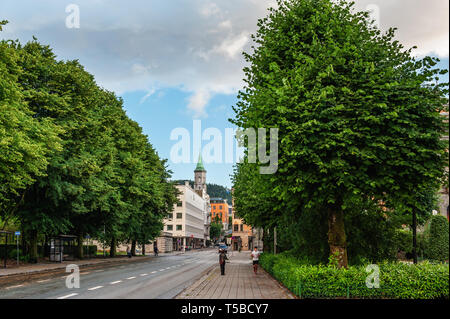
(161, 277)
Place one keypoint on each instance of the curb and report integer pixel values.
(198, 280)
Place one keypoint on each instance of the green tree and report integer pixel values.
(357, 114)
(84, 166)
(215, 231)
(26, 143)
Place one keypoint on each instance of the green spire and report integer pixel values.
(200, 167)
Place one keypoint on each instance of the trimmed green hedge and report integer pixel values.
(397, 280)
(437, 238)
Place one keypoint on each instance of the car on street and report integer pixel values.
(223, 246)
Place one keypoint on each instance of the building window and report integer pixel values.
(242, 227)
(169, 227)
(236, 227)
(179, 227)
(179, 215)
(170, 216)
(180, 204)
(220, 207)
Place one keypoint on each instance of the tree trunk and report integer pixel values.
(133, 248)
(143, 249)
(336, 236)
(112, 251)
(33, 246)
(25, 249)
(414, 231)
(80, 253)
(46, 250)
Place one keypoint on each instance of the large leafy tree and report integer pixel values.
(72, 161)
(26, 143)
(358, 115)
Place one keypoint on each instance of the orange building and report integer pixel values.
(219, 207)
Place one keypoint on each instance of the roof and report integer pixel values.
(200, 167)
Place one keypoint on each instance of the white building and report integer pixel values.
(190, 220)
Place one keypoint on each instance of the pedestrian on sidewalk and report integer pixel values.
(222, 259)
(155, 248)
(128, 252)
(255, 256)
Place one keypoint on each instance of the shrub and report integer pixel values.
(397, 280)
(436, 239)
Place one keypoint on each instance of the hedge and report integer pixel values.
(437, 238)
(397, 280)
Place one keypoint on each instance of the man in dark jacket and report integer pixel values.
(222, 258)
(155, 248)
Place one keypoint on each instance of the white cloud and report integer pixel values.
(209, 9)
(421, 23)
(198, 102)
(146, 96)
(233, 45)
(194, 45)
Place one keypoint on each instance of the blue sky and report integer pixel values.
(180, 60)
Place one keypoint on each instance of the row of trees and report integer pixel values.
(360, 148)
(71, 161)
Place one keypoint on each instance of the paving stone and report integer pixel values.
(239, 282)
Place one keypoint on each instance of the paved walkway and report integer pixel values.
(239, 282)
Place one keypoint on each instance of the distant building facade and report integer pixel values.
(189, 221)
(220, 209)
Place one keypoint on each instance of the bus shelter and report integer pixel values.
(62, 248)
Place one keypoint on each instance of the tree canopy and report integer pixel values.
(71, 161)
(358, 118)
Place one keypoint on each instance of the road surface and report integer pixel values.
(161, 277)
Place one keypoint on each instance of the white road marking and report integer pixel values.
(161, 269)
(12, 287)
(84, 273)
(153, 272)
(67, 296)
(129, 278)
(41, 281)
(95, 288)
(99, 270)
(115, 282)
(142, 275)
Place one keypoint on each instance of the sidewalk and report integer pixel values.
(239, 282)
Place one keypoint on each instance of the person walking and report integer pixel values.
(155, 248)
(128, 252)
(255, 256)
(222, 259)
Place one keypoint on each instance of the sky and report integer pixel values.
(177, 61)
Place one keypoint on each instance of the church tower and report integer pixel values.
(200, 176)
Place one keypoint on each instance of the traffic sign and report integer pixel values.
(17, 233)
